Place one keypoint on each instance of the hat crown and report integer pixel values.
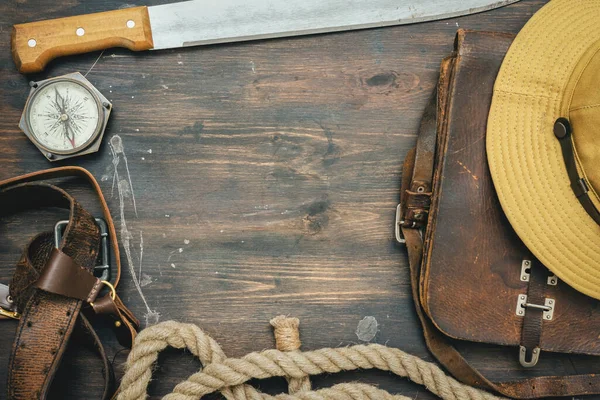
(551, 71)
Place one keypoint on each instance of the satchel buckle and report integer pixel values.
(102, 270)
(399, 222)
(535, 356)
(547, 307)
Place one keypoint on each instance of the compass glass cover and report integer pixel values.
(63, 116)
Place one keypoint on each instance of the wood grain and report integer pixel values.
(280, 162)
(34, 44)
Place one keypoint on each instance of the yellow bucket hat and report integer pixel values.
(543, 140)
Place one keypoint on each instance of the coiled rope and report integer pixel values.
(229, 375)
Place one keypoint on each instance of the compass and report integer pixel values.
(65, 116)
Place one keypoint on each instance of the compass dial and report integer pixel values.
(64, 116)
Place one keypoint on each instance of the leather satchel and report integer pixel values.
(472, 278)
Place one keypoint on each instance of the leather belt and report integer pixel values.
(54, 286)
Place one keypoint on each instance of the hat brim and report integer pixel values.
(525, 157)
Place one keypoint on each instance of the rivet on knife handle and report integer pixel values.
(37, 43)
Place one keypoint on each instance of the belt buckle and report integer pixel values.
(102, 269)
(7, 306)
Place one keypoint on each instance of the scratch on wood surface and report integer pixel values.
(125, 189)
(94, 64)
(129, 179)
(141, 252)
(117, 56)
(174, 252)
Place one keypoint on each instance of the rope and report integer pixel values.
(287, 338)
(229, 375)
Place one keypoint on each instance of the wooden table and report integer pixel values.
(265, 177)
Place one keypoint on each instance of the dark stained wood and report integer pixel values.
(279, 161)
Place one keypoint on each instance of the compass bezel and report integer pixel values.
(92, 145)
(57, 81)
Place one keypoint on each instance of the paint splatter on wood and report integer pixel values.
(367, 329)
(145, 280)
(125, 191)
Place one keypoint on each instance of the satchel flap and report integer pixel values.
(471, 273)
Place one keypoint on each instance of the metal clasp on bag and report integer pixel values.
(547, 307)
(547, 315)
(525, 268)
(399, 222)
(102, 270)
(535, 356)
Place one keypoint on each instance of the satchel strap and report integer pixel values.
(437, 342)
(50, 286)
(415, 197)
(531, 333)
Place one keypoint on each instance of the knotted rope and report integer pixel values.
(229, 375)
(287, 338)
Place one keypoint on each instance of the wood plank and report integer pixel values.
(280, 162)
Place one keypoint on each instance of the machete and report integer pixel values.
(202, 22)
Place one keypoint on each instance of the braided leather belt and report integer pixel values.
(53, 288)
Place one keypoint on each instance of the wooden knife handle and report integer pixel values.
(37, 43)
